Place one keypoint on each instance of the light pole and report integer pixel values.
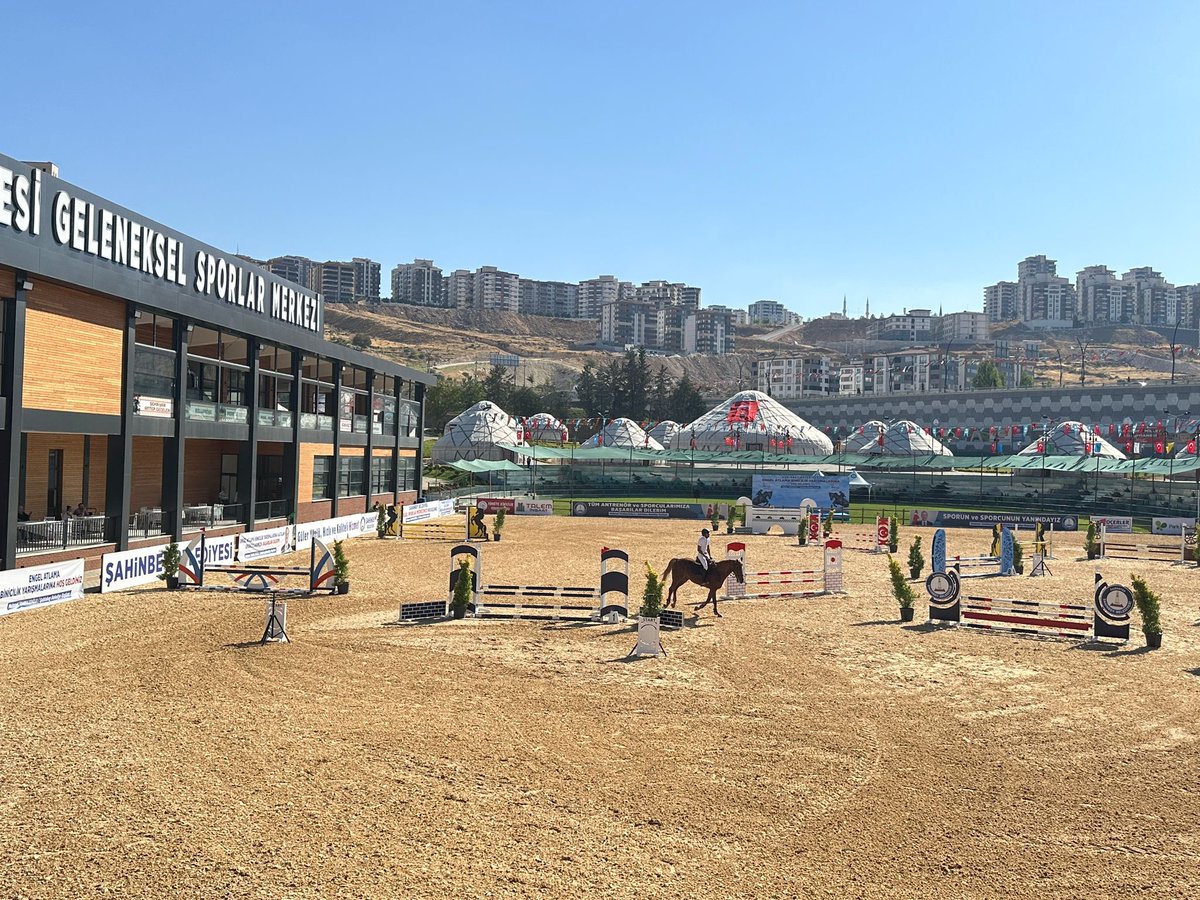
(1174, 346)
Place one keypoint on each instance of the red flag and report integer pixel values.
(1191, 447)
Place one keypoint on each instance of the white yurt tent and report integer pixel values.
(476, 433)
(666, 433)
(907, 438)
(544, 427)
(750, 420)
(1072, 439)
(865, 438)
(623, 434)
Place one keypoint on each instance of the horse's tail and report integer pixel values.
(668, 567)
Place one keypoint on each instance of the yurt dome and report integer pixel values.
(1072, 439)
(476, 433)
(907, 438)
(666, 433)
(544, 427)
(750, 420)
(865, 438)
(623, 434)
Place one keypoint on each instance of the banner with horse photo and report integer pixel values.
(791, 490)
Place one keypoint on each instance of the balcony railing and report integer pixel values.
(60, 534)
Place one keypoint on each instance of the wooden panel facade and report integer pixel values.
(73, 346)
(37, 471)
(145, 490)
(202, 470)
(307, 453)
(8, 282)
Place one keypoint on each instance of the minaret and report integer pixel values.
(843, 306)
(867, 314)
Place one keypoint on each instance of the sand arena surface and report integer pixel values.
(816, 748)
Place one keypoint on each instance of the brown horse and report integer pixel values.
(683, 571)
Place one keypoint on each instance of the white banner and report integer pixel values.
(41, 586)
(1171, 525)
(260, 544)
(535, 508)
(1115, 524)
(328, 530)
(421, 512)
(131, 568)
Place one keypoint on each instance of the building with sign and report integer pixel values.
(152, 385)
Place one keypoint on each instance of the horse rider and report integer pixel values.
(703, 555)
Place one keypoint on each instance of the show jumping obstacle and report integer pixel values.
(444, 529)
(877, 542)
(1106, 618)
(826, 580)
(1183, 551)
(555, 603)
(318, 576)
(761, 519)
(256, 579)
(1003, 563)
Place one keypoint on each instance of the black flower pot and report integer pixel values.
(172, 582)
(459, 613)
(343, 587)
(907, 613)
(497, 536)
(1154, 641)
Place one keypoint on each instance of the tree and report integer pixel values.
(686, 402)
(361, 340)
(1026, 380)
(987, 377)
(1083, 340)
(659, 403)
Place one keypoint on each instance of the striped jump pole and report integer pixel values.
(793, 582)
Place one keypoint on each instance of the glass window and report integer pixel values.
(205, 343)
(350, 476)
(234, 349)
(322, 483)
(201, 381)
(383, 475)
(153, 372)
(153, 330)
(406, 475)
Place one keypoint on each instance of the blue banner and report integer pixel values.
(791, 490)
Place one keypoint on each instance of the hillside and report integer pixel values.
(454, 341)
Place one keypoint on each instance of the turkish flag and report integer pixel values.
(1191, 447)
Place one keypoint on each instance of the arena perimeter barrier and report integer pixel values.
(826, 580)
(555, 603)
(1003, 562)
(1107, 618)
(1183, 551)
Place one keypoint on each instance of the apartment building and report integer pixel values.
(548, 298)
(914, 326)
(595, 292)
(493, 289)
(709, 331)
(629, 323)
(960, 328)
(795, 377)
(366, 279)
(770, 312)
(335, 281)
(1000, 302)
(419, 282)
(296, 269)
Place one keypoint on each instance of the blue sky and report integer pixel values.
(909, 152)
